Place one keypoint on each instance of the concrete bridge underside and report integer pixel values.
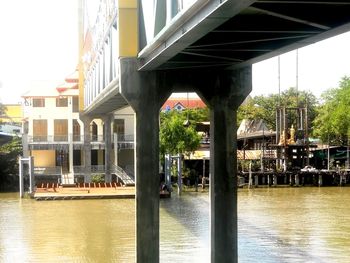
(209, 49)
(235, 33)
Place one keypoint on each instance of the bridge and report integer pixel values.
(138, 52)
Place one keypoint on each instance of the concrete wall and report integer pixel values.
(126, 158)
(50, 112)
(44, 158)
(128, 115)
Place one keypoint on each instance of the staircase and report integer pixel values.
(127, 179)
(67, 179)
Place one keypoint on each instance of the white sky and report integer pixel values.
(321, 66)
(39, 41)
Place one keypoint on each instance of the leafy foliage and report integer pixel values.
(333, 119)
(178, 136)
(264, 107)
(2, 110)
(9, 161)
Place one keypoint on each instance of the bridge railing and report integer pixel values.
(103, 70)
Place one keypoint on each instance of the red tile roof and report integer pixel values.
(186, 103)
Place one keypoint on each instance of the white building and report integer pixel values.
(56, 136)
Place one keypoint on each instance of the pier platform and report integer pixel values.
(86, 191)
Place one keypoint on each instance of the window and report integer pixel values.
(39, 130)
(75, 104)
(61, 102)
(38, 102)
(119, 128)
(61, 130)
(76, 130)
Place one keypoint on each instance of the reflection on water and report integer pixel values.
(275, 225)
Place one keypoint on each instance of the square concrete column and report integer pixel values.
(145, 95)
(108, 147)
(226, 93)
(87, 149)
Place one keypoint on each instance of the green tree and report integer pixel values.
(2, 110)
(177, 136)
(264, 107)
(333, 119)
(9, 153)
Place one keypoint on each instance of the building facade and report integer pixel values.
(58, 138)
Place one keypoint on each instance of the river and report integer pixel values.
(275, 225)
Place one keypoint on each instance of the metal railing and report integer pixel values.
(127, 179)
(55, 138)
(97, 138)
(79, 169)
(97, 169)
(122, 138)
(125, 137)
(47, 170)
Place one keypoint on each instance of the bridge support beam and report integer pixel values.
(223, 92)
(143, 92)
(227, 92)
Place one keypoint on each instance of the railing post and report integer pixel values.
(20, 162)
(31, 174)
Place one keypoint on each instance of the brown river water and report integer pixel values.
(275, 225)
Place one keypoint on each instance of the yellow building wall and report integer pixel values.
(128, 28)
(44, 158)
(13, 113)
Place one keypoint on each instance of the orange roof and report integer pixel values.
(73, 78)
(186, 103)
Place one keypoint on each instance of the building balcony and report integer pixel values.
(61, 142)
(125, 141)
(54, 139)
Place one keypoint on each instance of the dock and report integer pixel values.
(312, 177)
(83, 191)
(52, 191)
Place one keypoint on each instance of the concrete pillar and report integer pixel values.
(25, 145)
(70, 139)
(108, 147)
(70, 152)
(223, 184)
(275, 180)
(179, 174)
(167, 171)
(268, 180)
(223, 92)
(256, 180)
(250, 181)
(145, 95)
(297, 180)
(115, 140)
(87, 149)
(21, 187)
(320, 181)
(31, 174)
